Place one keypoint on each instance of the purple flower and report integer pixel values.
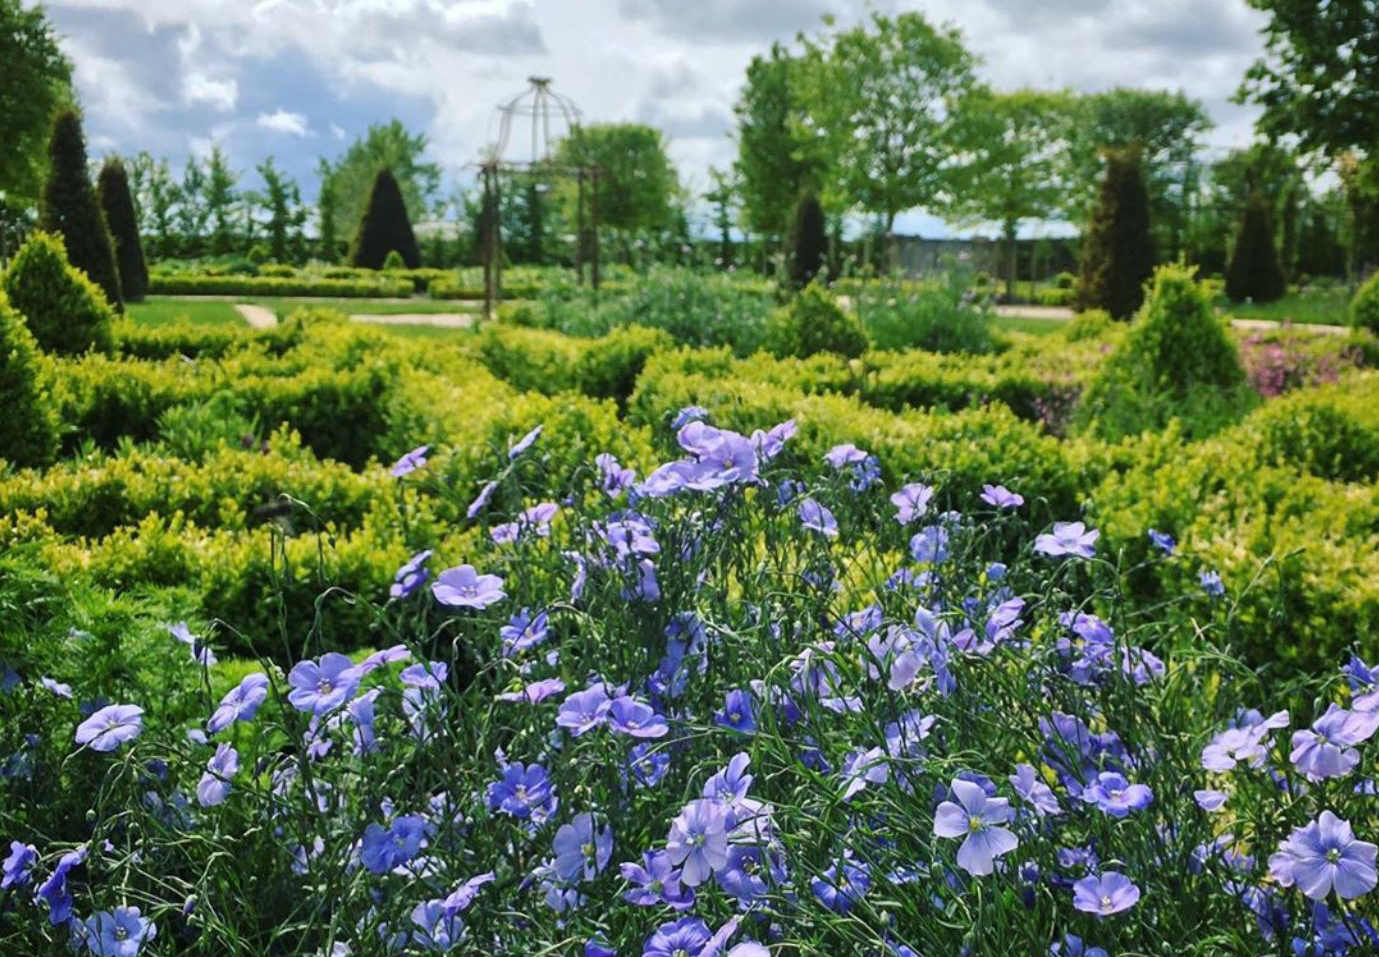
(56, 687)
(843, 455)
(1324, 856)
(201, 652)
(1115, 796)
(438, 929)
(1105, 894)
(118, 933)
(426, 677)
(581, 851)
(463, 896)
(411, 576)
(648, 764)
(730, 785)
(525, 442)
(1248, 741)
(214, 786)
(384, 849)
(15, 871)
(1327, 750)
(627, 715)
(655, 882)
(863, 768)
(841, 886)
(523, 632)
(998, 496)
(111, 727)
(462, 587)
(769, 444)
(690, 413)
(685, 937)
(1212, 584)
(1039, 795)
(481, 500)
(536, 692)
(240, 704)
(54, 889)
(976, 819)
(911, 502)
(1068, 538)
(1209, 800)
(410, 462)
(524, 792)
(615, 478)
(1072, 946)
(930, 545)
(698, 841)
(322, 687)
(751, 872)
(1163, 541)
(584, 710)
(817, 518)
(738, 712)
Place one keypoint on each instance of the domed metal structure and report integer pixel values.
(533, 115)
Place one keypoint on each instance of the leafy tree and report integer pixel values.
(222, 201)
(775, 161)
(1166, 128)
(1319, 78)
(329, 250)
(66, 312)
(1117, 249)
(155, 201)
(635, 185)
(1015, 161)
(385, 227)
(112, 186)
(722, 196)
(193, 214)
(1261, 169)
(28, 430)
(1255, 272)
(348, 182)
(282, 201)
(71, 211)
(883, 96)
(1320, 251)
(808, 240)
(37, 83)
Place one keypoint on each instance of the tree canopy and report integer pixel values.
(37, 83)
(636, 185)
(348, 182)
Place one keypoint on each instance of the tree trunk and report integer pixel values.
(1009, 233)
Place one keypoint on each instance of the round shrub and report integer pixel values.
(28, 430)
(67, 313)
(393, 260)
(1364, 308)
(814, 323)
(1176, 362)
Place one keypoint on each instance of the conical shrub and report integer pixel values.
(66, 312)
(385, 228)
(1118, 249)
(1255, 272)
(808, 240)
(28, 429)
(70, 210)
(112, 188)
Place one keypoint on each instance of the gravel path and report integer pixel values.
(447, 320)
(259, 317)
(1057, 313)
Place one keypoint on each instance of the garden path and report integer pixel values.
(1059, 312)
(259, 317)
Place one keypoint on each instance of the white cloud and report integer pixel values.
(284, 121)
(198, 89)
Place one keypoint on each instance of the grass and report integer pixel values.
(166, 310)
(1036, 327)
(1323, 306)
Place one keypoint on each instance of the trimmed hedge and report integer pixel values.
(538, 360)
(306, 286)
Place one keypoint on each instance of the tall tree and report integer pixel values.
(1255, 272)
(385, 227)
(1117, 249)
(326, 225)
(70, 208)
(1263, 169)
(1015, 161)
(1319, 78)
(282, 202)
(882, 95)
(37, 83)
(349, 181)
(775, 159)
(155, 201)
(1166, 128)
(222, 201)
(722, 196)
(635, 184)
(112, 186)
(193, 213)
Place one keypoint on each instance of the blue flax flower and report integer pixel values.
(1068, 538)
(324, 686)
(524, 792)
(1105, 894)
(214, 786)
(1324, 856)
(977, 819)
(463, 587)
(240, 704)
(384, 849)
(121, 932)
(111, 727)
(738, 712)
(1115, 796)
(655, 882)
(581, 850)
(698, 841)
(841, 886)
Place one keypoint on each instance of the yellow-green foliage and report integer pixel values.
(538, 360)
(28, 428)
(814, 323)
(67, 313)
(1364, 308)
(1177, 361)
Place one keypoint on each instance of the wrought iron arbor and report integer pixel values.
(539, 111)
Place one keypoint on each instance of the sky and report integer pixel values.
(299, 79)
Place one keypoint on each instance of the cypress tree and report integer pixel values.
(808, 240)
(385, 227)
(70, 209)
(112, 186)
(1254, 271)
(1118, 250)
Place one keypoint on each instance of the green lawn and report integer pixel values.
(1037, 327)
(1326, 306)
(370, 307)
(166, 310)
